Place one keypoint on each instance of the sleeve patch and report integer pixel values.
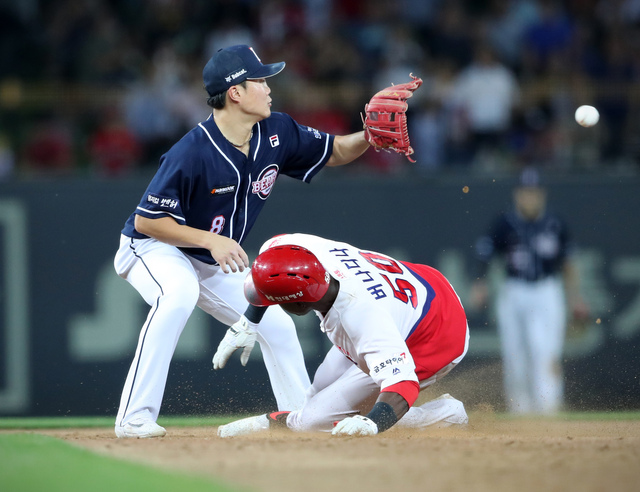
(390, 365)
(163, 202)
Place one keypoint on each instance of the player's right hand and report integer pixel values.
(242, 334)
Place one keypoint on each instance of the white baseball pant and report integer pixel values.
(532, 324)
(173, 284)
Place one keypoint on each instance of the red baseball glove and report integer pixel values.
(385, 120)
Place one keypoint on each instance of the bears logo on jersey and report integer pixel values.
(264, 184)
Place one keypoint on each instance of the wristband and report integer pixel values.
(255, 313)
(383, 416)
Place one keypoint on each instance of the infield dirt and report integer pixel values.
(492, 455)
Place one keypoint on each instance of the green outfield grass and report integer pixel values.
(36, 463)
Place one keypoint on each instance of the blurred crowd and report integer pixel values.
(106, 86)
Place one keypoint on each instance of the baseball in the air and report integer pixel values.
(587, 116)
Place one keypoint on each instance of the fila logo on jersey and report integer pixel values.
(223, 190)
(274, 140)
(264, 184)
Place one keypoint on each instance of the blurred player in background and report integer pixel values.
(531, 302)
(181, 247)
(396, 328)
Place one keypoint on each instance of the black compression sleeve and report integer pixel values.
(383, 415)
(255, 313)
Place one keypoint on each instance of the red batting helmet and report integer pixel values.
(284, 274)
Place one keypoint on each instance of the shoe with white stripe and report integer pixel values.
(140, 428)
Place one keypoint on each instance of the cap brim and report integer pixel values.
(253, 296)
(266, 71)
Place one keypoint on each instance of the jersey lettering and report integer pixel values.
(403, 290)
(264, 184)
(367, 275)
(389, 363)
(350, 263)
(162, 201)
(377, 292)
(339, 252)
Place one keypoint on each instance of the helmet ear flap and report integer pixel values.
(253, 295)
(286, 273)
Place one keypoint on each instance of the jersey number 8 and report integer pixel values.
(217, 224)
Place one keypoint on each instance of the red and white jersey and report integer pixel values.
(397, 321)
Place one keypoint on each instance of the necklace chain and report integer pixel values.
(235, 145)
(241, 145)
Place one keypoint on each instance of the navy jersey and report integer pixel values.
(205, 182)
(533, 250)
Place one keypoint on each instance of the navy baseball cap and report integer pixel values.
(233, 65)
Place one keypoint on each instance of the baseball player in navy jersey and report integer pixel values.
(531, 302)
(396, 328)
(181, 247)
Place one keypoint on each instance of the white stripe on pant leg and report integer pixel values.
(146, 381)
(164, 272)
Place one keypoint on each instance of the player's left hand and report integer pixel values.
(358, 425)
(242, 335)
